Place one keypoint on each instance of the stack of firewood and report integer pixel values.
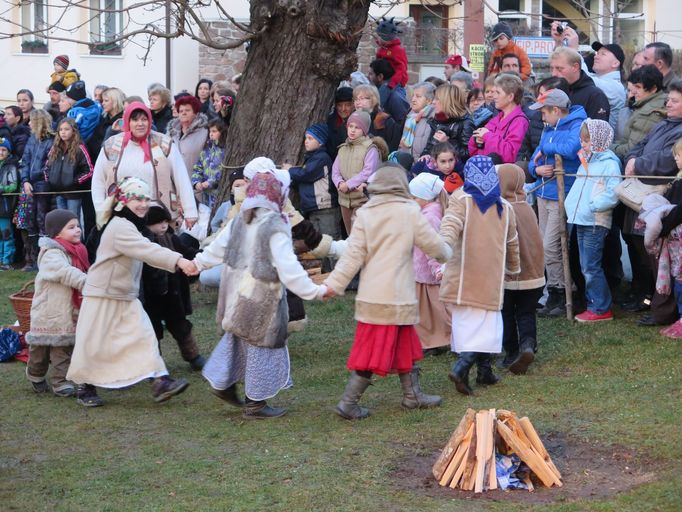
(468, 460)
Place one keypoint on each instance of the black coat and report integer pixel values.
(458, 130)
(19, 136)
(384, 126)
(533, 134)
(583, 92)
(98, 137)
(162, 118)
(67, 174)
(337, 133)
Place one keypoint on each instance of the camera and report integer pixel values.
(562, 26)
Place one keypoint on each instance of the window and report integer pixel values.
(510, 5)
(33, 21)
(431, 34)
(105, 26)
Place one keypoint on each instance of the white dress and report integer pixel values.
(476, 330)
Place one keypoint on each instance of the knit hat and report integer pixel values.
(552, 98)
(57, 87)
(388, 30)
(319, 132)
(343, 94)
(458, 60)
(362, 119)
(76, 91)
(156, 214)
(260, 164)
(426, 186)
(501, 29)
(62, 60)
(56, 220)
(615, 49)
(5, 143)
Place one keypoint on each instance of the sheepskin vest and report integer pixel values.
(252, 303)
(351, 161)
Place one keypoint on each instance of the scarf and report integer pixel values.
(410, 128)
(79, 259)
(482, 183)
(265, 191)
(128, 136)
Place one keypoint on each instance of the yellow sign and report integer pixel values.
(477, 57)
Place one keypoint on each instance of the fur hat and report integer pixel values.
(57, 87)
(76, 91)
(319, 132)
(62, 60)
(56, 220)
(362, 119)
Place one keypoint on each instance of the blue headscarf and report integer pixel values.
(482, 183)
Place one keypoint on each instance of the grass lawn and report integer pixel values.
(606, 398)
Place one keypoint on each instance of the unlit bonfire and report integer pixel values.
(495, 450)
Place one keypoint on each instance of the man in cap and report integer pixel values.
(453, 64)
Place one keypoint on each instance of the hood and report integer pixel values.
(45, 243)
(512, 179)
(136, 105)
(389, 179)
(175, 129)
(576, 112)
(601, 134)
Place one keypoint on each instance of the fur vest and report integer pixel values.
(252, 303)
(352, 159)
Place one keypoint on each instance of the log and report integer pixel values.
(527, 455)
(468, 474)
(483, 430)
(536, 443)
(492, 468)
(451, 447)
(456, 460)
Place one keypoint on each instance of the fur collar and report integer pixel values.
(175, 130)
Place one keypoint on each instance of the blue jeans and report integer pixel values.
(591, 248)
(677, 289)
(6, 242)
(74, 205)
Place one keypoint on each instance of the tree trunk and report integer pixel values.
(290, 76)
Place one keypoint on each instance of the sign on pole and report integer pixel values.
(477, 57)
(536, 47)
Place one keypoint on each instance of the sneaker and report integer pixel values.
(4, 267)
(40, 387)
(164, 388)
(65, 391)
(673, 331)
(87, 396)
(590, 316)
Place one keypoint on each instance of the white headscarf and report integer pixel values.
(260, 164)
(426, 186)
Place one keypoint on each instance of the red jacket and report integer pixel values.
(495, 64)
(396, 55)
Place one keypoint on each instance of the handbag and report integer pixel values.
(632, 192)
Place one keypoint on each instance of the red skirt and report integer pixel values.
(384, 349)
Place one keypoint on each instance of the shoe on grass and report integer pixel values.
(590, 316)
(197, 363)
(65, 391)
(86, 395)
(40, 387)
(673, 331)
(164, 388)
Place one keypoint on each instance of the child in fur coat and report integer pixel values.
(380, 246)
(62, 263)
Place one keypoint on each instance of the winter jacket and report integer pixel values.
(458, 130)
(162, 118)
(562, 139)
(208, 168)
(190, 142)
(646, 113)
(611, 85)
(314, 182)
(533, 134)
(66, 174)
(422, 135)
(505, 136)
(337, 133)
(380, 245)
(531, 252)
(19, 136)
(65, 77)
(653, 154)
(495, 64)
(396, 105)
(87, 114)
(384, 126)
(591, 201)
(9, 183)
(395, 53)
(425, 267)
(117, 271)
(53, 314)
(583, 92)
(101, 131)
(485, 247)
(356, 162)
(33, 163)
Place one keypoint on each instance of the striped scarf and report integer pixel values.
(410, 128)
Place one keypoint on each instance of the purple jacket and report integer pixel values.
(425, 268)
(505, 136)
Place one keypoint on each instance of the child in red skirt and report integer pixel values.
(380, 246)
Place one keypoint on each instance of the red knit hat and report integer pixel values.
(62, 60)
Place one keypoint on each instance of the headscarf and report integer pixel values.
(391, 179)
(128, 136)
(265, 191)
(482, 183)
(601, 134)
(260, 164)
(426, 186)
(126, 189)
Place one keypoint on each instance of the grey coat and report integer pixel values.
(192, 141)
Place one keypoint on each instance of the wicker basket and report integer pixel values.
(21, 302)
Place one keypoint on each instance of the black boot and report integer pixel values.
(348, 407)
(559, 308)
(552, 302)
(525, 358)
(229, 395)
(413, 397)
(484, 371)
(260, 410)
(460, 372)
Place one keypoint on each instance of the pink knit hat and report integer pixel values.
(362, 119)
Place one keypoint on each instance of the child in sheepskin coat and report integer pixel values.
(62, 263)
(386, 230)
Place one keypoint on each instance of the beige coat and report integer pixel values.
(380, 246)
(53, 314)
(485, 248)
(122, 251)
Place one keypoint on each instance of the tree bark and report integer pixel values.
(290, 76)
